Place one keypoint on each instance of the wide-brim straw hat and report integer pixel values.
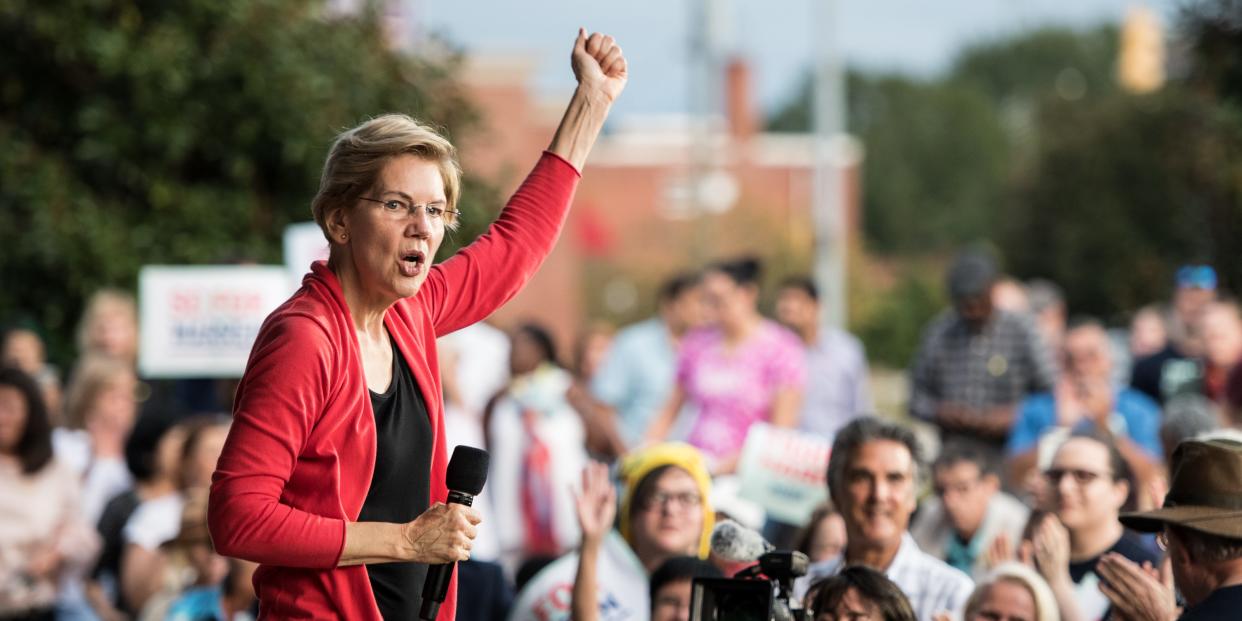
(1205, 493)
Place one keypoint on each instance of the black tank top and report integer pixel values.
(401, 485)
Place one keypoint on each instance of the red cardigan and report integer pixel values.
(301, 451)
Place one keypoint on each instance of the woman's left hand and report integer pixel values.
(599, 65)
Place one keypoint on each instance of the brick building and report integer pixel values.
(658, 195)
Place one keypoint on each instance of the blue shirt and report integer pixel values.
(836, 383)
(1136, 411)
(637, 376)
(197, 604)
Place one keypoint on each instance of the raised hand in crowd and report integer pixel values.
(597, 508)
(1138, 593)
(596, 505)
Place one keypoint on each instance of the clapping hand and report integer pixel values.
(599, 65)
(1051, 550)
(1137, 593)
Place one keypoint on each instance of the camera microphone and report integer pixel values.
(736, 543)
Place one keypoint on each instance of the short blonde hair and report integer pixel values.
(359, 154)
(1041, 593)
(102, 303)
(93, 374)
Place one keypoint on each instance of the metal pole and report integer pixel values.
(828, 210)
(709, 24)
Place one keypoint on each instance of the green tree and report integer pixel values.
(1048, 62)
(1121, 192)
(145, 131)
(939, 152)
(1123, 189)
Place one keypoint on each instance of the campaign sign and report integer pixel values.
(784, 471)
(304, 244)
(200, 321)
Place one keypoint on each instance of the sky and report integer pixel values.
(775, 36)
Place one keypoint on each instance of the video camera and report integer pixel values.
(761, 592)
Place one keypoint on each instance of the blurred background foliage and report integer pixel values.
(146, 131)
(1030, 146)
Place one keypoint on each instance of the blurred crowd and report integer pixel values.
(1029, 430)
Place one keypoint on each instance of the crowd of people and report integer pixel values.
(1057, 440)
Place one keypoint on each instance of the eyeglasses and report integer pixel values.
(1082, 477)
(398, 209)
(683, 500)
(1162, 540)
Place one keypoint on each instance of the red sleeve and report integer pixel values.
(480, 278)
(280, 398)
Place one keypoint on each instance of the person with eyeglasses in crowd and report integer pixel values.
(333, 475)
(1087, 484)
(665, 512)
(1200, 529)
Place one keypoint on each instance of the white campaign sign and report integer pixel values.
(200, 321)
(304, 244)
(785, 471)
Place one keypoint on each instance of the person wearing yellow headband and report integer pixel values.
(664, 512)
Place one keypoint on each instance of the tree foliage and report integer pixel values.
(1124, 191)
(1029, 143)
(145, 131)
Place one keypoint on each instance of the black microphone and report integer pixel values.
(467, 472)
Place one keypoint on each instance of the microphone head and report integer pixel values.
(734, 542)
(467, 470)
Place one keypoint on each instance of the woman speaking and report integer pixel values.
(332, 477)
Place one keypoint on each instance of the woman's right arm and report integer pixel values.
(280, 398)
(442, 534)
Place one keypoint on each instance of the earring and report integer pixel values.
(344, 236)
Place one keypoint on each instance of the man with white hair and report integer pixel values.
(873, 475)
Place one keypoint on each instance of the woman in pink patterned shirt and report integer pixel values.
(742, 370)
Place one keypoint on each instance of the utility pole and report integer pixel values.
(709, 26)
(828, 210)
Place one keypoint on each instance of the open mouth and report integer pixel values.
(413, 257)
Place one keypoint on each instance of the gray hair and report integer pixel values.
(1043, 294)
(1207, 548)
(1041, 593)
(869, 429)
(1186, 417)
